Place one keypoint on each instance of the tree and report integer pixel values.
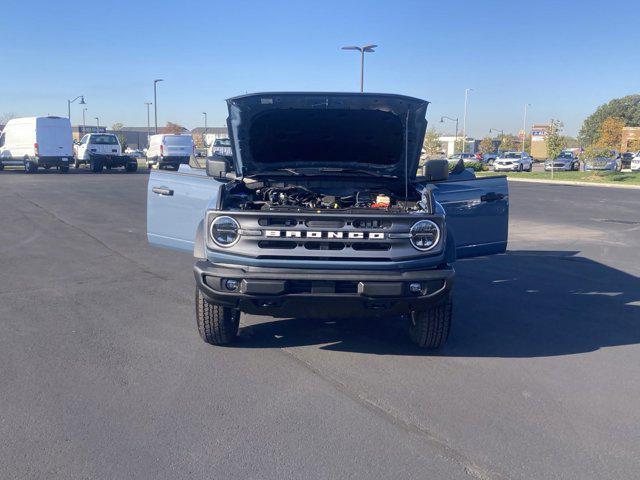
(457, 147)
(610, 134)
(508, 143)
(431, 144)
(198, 140)
(626, 108)
(486, 145)
(117, 126)
(173, 128)
(555, 141)
(5, 117)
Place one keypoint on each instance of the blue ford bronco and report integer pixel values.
(319, 212)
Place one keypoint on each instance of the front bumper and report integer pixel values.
(506, 168)
(565, 167)
(174, 162)
(322, 293)
(53, 161)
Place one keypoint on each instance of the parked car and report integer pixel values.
(514, 162)
(308, 228)
(625, 160)
(610, 163)
(102, 150)
(135, 153)
(167, 150)
(567, 160)
(467, 157)
(33, 142)
(221, 146)
(489, 158)
(635, 163)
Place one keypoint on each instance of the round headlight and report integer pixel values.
(224, 231)
(424, 235)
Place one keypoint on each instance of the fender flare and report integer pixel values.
(450, 247)
(199, 244)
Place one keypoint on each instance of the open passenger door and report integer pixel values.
(176, 204)
(477, 212)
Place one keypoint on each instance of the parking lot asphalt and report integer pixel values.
(103, 374)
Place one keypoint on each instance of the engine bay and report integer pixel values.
(264, 196)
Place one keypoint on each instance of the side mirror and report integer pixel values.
(217, 167)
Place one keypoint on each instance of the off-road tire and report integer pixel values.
(131, 167)
(430, 328)
(96, 166)
(217, 325)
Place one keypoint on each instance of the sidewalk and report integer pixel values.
(572, 182)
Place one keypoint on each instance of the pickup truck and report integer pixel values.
(323, 215)
(102, 150)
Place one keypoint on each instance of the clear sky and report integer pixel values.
(563, 57)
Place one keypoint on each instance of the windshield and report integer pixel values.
(103, 140)
(565, 155)
(222, 142)
(511, 155)
(183, 140)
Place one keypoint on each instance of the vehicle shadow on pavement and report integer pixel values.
(521, 304)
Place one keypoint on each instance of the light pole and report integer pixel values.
(69, 102)
(364, 49)
(524, 124)
(84, 123)
(464, 118)
(453, 120)
(97, 124)
(155, 102)
(148, 104)
(204, 136)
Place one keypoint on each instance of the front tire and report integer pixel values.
(30, 166)
(217, 325)
(96, 165)
(430, 328)
(63, 169)
(131, 167)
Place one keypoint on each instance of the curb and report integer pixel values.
(570, 182)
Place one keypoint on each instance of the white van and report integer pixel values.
(34, 142)
(169, 150)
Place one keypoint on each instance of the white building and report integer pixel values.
(449, 144)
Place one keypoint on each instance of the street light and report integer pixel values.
(84, 123)
(148, 104)
(453, 120)
(524, 124)
(69, 102)
(97, 124)
(464, 118)
(364, 49)
(155, 101)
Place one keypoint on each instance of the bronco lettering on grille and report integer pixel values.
(320, 234)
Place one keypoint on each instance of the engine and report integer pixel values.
(297, 198)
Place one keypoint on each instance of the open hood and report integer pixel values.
(379, 133)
